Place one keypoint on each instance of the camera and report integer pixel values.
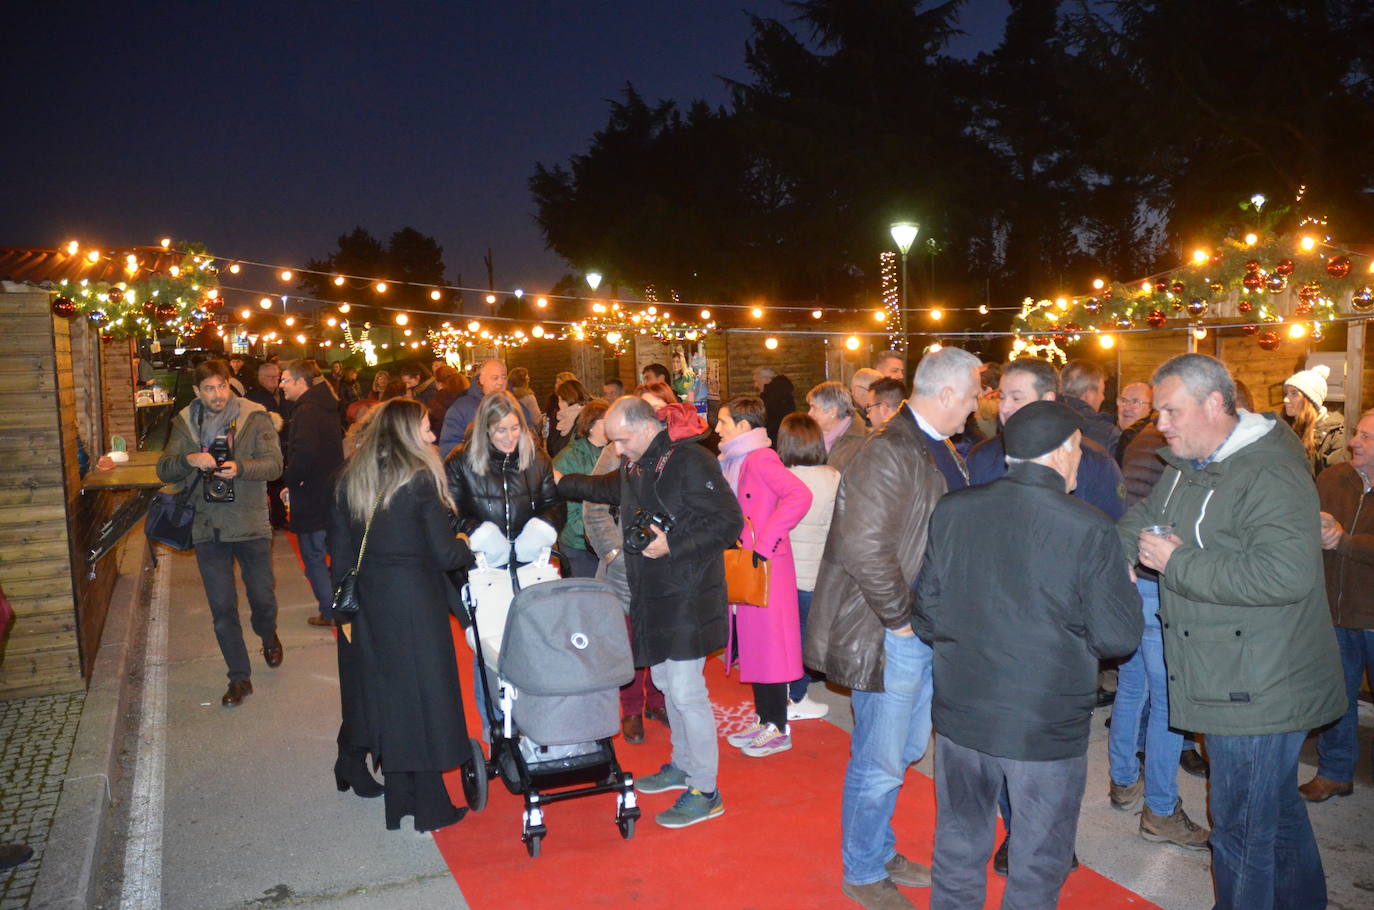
(219, 489)
(638, 536)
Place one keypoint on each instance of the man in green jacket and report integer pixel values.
(1232, 529)
(228, 447)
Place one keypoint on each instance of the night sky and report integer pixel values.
(265, 130)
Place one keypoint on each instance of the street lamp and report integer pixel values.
(593, 280)
(904, 234)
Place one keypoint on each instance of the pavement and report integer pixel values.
(207, 807)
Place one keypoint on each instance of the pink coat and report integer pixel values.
(774, 501)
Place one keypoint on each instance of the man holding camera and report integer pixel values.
(227, 446)
(679, 516)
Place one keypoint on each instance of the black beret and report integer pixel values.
(1038, 428)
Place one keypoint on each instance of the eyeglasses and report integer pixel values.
(1137, 402)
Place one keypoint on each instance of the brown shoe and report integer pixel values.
(271, 652)
(632, 728)
(237, 689)
(1191, 760)
(1319, 789)
(658, 714)
(317, 620)
(1177, 829)
(904, 872)
(1128, 797)
(881, 895)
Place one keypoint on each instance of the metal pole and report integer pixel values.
(903, 302)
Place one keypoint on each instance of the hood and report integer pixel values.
(1256, 435)
(1250, 429)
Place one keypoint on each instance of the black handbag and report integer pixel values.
(346, 594)
(171, 517)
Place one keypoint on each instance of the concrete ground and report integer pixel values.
(244, 812)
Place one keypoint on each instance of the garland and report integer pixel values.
(180, 297)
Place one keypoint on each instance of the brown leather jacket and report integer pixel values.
(1141, 465)
(1350, 566)
(873, 553)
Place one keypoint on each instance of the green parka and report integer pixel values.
(258, 453)
(1247, 634)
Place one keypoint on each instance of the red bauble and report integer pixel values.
(1217, 287)
(1252, 265)
(1338, 266)
(1303, 308)
(1156, 318)
(1249, 329)
(212, 303)
(1178, 287)
(64, 307)
(116, 295)
(1253, 281)
(1040, 340)
(1284, 268)
(1310, 291)
(1245, 306)
(107, 338)
(1197, 307)
(1269, 341)
(1161, 287)
(1072, 327)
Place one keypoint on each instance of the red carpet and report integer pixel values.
(777, 846)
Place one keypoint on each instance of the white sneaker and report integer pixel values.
(769, 741)
(806, 708)
(746, 736)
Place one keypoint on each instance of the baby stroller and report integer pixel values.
(559, 667)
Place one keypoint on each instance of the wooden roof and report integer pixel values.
(50, 265)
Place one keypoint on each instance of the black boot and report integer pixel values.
(350, 770)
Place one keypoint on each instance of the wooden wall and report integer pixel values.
(118, 385)
(39, 488)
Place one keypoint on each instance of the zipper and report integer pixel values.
(505, 495)
(1355, 523)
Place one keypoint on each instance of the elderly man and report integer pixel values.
(860, 385)
(1232, 529)
(888, 396)
(833, 410)
(1134, 412)
(891, 364)
(1348, 545)
(1084, 385)
(491, 377)
(1017, 634)
(859, 630)
(677, 586)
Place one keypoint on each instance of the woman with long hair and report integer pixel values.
(766, 640)
(801, 446)
(398, 676)
(580, 456)
(1322, 433)
(500, 476)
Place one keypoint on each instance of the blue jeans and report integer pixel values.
(1140, 680)
(1336, 746)
(1264, 856)
(797, 688)
(891, 731)
(314, 546)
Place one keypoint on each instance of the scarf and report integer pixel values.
(733, 453)
(208, 425)
(567, 416)
(682, 420)
(835, 432)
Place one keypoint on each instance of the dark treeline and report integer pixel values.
(1097, 139)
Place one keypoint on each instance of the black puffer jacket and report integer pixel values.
(504, 495)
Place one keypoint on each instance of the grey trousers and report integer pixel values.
(1045, 796)
(216, 562)
(696, 750)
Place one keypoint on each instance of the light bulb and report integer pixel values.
(937, 314)
(541, 302)
(338, 281)
(1251, 239)
(756, 312)
(286, 275)
(402, 319)
(771, 344)
(1106, 341)
(852, 342)
(1200, 256)
(265, 303)
(1308, 244)
(815, 314)
(434, 294)
(474, 326)
(344, 308)
(706, 314)
(380, 287)
(72, 248)
(491, 298)
(879, 315)
(1098, 284)
(166, 242)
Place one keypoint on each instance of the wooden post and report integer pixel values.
(1354, 374)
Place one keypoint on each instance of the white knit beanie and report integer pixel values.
(1311, 383)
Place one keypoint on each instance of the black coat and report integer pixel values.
(398, 678)
(1019, 617)
(314, 451)
(779, 400)
(505, 495)
(677, 602)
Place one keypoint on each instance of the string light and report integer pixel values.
(1200, 256)
(344, 308)
(380, 287)
(94, 256)
(852, 342)
(1098, 284)
(265, 303)
(166, 243)
(435, 294)
(937, 314)
(705, 315)
(1106, 341)
(756, 312)
(402, 319)
(1308, 244)
(771, 344)
(73, 248)
(338, 281)
(491, 298)
(541, 302)
(1251, 239)
(286, 275)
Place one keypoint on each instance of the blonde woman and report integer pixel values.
(1322, 432)
(398, 676)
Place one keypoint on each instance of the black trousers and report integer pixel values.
(1045, 797)
(216, 562)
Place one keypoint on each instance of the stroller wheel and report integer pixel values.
(532, 845)
(475, 778)
(626, 824)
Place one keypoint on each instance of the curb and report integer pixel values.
(67, 878)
